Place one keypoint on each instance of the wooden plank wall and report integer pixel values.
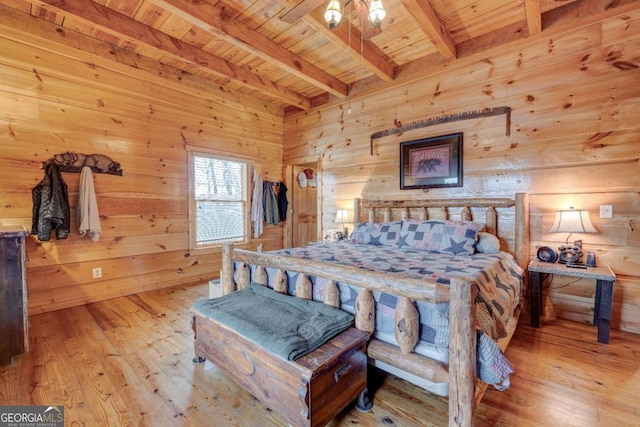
(54, 99)
(574, 140)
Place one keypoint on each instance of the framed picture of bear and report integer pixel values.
(431, 162)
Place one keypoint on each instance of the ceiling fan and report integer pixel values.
(371, 13)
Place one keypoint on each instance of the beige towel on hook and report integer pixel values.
(87, 212)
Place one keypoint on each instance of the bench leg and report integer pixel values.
(363, 404)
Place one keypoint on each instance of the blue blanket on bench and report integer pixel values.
(285, 325)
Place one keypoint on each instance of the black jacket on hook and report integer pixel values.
(51, 206)
(282, 201)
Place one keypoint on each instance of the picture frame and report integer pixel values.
(433, 162)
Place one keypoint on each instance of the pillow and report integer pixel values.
(487, 243)
(446, 237)
(377, 233)
(417, 234)
(360, 232)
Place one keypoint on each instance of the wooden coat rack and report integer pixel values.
(74, 162)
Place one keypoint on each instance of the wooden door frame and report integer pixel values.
(291, 181)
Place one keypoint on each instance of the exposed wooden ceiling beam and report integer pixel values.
(533, 15)
(582, 10)
(432, 26)
(126, 27)
(210, 18)
(298, 11)
(372, 58)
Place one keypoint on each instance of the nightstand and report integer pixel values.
(604, 278)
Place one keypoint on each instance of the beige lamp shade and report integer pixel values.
(572, 221)
(343, 216)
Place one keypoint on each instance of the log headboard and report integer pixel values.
(466, 209)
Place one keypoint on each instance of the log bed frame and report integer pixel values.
(465, 391)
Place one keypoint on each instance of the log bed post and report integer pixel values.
(304, 288)
(243, 276)
(332, 294)
(260, 276)
(462, 352)
(281, 282)
(523, 242)
(365, 311)
(407, 325)
(226, 274)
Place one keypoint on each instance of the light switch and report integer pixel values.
(606, 211)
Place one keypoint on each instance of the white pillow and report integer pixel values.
(487, 243)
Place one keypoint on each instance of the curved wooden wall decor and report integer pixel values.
(432, 121)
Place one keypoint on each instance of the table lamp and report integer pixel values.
(571, 221)
(343, 216)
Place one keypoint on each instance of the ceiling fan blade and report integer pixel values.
(301, 9)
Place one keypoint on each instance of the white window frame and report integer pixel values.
(193, 212)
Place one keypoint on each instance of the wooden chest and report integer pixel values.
(310, 391)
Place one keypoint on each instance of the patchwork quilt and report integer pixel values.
(499, 277)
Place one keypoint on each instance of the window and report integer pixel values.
(219, 200)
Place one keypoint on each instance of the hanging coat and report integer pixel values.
(271, 214)
(283, 203)
(257, 210)
(51, 206)
(87, 215)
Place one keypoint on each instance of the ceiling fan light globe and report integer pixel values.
(332, 14)
(376, 12)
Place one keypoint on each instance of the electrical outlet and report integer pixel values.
(606, 211)
(97, 273)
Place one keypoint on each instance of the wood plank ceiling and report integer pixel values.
(283, 52)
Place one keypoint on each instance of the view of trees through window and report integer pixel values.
(220, 191)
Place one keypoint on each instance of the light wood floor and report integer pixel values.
(127, 362)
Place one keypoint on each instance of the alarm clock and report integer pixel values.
(546, 254)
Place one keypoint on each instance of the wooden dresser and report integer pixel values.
(14, 321)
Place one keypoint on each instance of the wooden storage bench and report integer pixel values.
(309, 391)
